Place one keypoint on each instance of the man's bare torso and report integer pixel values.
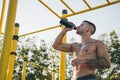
(83, 52)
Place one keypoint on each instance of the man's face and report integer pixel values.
(82, 28)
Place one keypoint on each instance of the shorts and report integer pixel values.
(87, 77)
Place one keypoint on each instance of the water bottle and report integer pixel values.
(67, 24)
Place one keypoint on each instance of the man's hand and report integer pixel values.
(97, 63)
(76, 62)
(68, 29)
(91, 63)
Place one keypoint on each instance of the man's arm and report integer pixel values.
(103, 60)
(103, 53)
(58, 45)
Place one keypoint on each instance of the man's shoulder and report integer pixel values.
(99, 42)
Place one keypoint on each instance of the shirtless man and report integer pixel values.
(86, 53)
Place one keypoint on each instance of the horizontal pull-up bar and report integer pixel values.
(67, 6)
(93, 8)
(108, 1)
(90, 8)
(87, 4)
(49, 8)
(39, 31)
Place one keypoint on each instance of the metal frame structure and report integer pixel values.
(8, 37)
(90, 8)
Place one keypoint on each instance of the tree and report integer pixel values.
(114, 50)
(39, 64)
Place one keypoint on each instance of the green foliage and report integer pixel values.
(39, 64)
(114, 50)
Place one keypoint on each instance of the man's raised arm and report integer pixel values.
(58, 45)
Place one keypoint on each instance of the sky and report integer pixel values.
(33, 16)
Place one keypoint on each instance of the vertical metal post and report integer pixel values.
(13, 53)
(63, 54)
(4, 59)
(53, 71)
(24, 66)
(2, 15)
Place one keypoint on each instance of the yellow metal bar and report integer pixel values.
(38, 31)
(24, 71)
(82, 11)
(68, 15)
(49, 8)
(53, 73)
(2, 15)
(43, 67)
(24, 66)
(63, 63)
(7, 38)
(0, 27)
(13, 53)
(87, 4)
(93, 8)
(63, 54)
(108, 1)
(67, 6)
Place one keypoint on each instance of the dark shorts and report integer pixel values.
(87, 77)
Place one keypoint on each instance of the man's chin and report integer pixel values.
(78, 33)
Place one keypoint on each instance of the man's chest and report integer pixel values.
(84, 50)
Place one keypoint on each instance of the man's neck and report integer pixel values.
(85, 39)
